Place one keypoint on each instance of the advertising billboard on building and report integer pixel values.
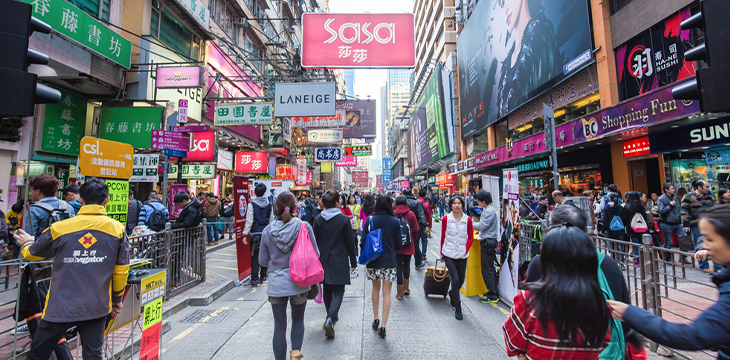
(362, 125)
(358, 40)
(654, 58)
(430, 137)
(512, 50)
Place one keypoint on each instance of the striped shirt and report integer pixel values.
(523, 335)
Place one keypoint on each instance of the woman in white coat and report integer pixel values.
(457, 235)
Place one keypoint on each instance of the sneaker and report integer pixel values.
(707, 271)
(221, 237)
(488, 300)
(251, 283)
(420, 266)
(262, 280)
(20, 330)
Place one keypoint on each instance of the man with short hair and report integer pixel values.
(210, 213)
(258, 215)
(560, 199)
(427, 209)
(154, 207)
(43, 193)
(541, 209)
(670, 217)
(90, 266)
(317, 207)
(71, 196)
(135, 213)
(190, 215)
(693, 204)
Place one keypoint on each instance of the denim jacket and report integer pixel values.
(38, 219)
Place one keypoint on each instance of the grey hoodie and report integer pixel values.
(328, 214)
(277, 242)
(488, 225)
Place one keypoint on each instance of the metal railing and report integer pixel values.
(180, 251)
(662, 282)
(531, 232)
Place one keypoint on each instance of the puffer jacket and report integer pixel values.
(210, 209)
(456, 236)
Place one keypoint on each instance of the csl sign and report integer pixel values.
(358, 40)
(106, 158)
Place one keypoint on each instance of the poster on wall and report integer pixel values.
(495, 76)
(510, 229)
(654, 58)
(174, 190)
(273, 188)
(241, 200)
(362, 125)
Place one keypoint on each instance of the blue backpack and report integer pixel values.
(373, 245)
(617, 224)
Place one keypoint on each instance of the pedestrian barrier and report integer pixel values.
(665, 282)
(179, 251)
(530, 238)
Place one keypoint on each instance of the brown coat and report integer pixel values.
(211, 208)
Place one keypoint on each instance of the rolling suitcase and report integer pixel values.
(437, 280)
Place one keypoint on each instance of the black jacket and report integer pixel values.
(313, 215)
(629, 214)
(390, 231)
(607, 215)
(336, 243)
(190, 216)
(417, 209)
(228, 213)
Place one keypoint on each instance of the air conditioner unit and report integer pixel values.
(242, 22)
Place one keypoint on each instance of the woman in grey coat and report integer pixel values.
(277, 242)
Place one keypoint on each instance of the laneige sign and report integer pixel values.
(304, 99)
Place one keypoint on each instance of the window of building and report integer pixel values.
(96, 8)
(500, 133)
(166, 27)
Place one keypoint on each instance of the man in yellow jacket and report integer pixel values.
(90, 266)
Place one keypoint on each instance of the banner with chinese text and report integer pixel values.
(240, 205)
(193, 171)
(64, 124)
(118, 203)
(257, 113)
(252, 162)
(131, 125)
(145, 168)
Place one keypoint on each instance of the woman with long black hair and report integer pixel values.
(633, 214)
(564, 314)
(367, 209)
(382, 270)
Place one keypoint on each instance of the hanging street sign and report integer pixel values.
(327, 155)
(359, 150)
(105, 158)
(163, 139)
(234, 114)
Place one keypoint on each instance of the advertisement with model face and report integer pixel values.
(654, 58)
(429, 115)
(512, 50)
(358, 125)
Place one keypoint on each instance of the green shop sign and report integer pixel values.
(535, 165)
(64, 125)
(130, 125)
(75, 24)
(193, 171)
(244, 114)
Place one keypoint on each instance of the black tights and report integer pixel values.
(332, 295)
(278, 305)
(402, 267)
(457, 272)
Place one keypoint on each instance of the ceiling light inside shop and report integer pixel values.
(559, 113)
(588, 100)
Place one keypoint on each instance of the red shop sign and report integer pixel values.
(284, 172)
(358, 40)
(204, 146)
(252, 162)
(636, 147)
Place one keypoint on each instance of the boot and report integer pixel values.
(295, 355)
(406, 290)
(399, 293)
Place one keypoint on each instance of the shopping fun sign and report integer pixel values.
(358, 40)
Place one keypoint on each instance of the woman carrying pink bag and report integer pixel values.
(279, 245)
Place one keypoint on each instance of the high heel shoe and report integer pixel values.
(376, 324)
(381, 332)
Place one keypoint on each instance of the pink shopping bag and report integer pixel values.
(304, 266)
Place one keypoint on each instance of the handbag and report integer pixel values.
(304, 266)
(373, 245)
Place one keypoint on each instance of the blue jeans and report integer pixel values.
(212, 228)
(636, 241)
(424, 244)
(704, 264)
(668, 230)
(441, 211)
(228, 225)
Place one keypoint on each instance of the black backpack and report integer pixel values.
(405, 231)
(157, 220)
(56, 215)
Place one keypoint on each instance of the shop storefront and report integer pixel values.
(694, 149)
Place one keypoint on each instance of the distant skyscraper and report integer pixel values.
(350, 81)
(396, 94)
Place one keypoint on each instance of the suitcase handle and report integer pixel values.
(444, 272)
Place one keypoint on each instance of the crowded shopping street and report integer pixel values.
(389, 179)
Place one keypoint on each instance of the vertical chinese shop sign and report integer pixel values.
(118, 203)
(240, 204)
(152, 293)
(64, 124)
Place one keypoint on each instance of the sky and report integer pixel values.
(369, 81)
